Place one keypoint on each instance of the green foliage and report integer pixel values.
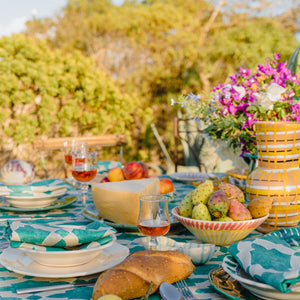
(160, 49)
(45, 92)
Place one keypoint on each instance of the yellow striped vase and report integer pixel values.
(278, 174)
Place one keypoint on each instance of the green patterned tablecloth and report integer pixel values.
(10, 281)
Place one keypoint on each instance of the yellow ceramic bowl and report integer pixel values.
(218, 233)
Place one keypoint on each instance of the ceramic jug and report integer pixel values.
(277, 174)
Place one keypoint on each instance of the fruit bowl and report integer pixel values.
(218, 233)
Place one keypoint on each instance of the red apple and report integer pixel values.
(166, 185)
(145, 169)
(105, 179)
(115, 174)
(133, 170)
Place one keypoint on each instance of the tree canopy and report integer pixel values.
(46, 92)
(155, 50)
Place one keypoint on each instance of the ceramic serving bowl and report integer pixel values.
(218, 233)
(198, 252)
(69, 258)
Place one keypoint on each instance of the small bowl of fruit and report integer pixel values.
(221, 216)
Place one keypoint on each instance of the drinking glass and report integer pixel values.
(84, 169)
(71, 147)
(154, 217)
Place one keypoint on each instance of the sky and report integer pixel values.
(14, 13)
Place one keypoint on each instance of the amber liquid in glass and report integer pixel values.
(154, 227)
(84, 176)
(68, 159)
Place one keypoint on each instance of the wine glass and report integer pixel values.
(84, 169)
(154, 217)
(71, 147)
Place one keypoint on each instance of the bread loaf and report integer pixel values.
(132, 277)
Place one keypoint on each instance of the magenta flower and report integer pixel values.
(267, 93)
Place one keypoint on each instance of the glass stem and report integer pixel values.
(84, 190)
(152, 243)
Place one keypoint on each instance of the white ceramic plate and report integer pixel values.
(58, 203)
(34, 201)
(189, 176)
(66, 258)
(19, 262)
(257, 288)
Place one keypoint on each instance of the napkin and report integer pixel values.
(270, 259)
(40, 188)
(104, 166)
(39, 235)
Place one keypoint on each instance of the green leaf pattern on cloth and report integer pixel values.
(39, 236)
(270, 259)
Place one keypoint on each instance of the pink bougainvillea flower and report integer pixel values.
(266, 93)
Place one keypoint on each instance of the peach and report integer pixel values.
(145, 169)
(166, 185)
(115, 174)
(105, 179)
(133, 170)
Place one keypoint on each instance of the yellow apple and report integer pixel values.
(115, 174)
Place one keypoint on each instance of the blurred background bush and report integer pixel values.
(97, 68)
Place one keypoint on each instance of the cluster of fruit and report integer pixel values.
(137, 170)
(225, 203)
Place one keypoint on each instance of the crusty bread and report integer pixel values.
(132, 277)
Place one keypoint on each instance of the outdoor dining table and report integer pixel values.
(11, 281)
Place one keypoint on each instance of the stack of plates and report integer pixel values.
(257, 288)
(63, 264)
(38, 201)
(69, 258)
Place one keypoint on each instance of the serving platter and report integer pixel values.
(91, 213)
(257, 288)
(19, 262)
(60, 202)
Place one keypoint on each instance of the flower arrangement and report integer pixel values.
(231, 110)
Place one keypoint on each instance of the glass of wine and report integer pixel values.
(71, 147)
(154, 217)
(84, 169)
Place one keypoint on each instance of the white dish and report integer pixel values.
(189, 176)
(31, 202)
(60, 202)
(66, 258)
(198, 252)
(19, 262)
(37, 201)
(257, 288)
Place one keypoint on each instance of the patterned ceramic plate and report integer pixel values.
(58, 203)
(227, 286)
(15, 260)
(257, 288)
